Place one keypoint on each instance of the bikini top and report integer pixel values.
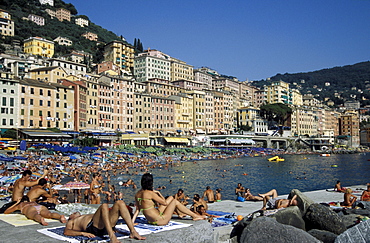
(141, 199)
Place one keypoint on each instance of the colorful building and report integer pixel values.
(39, 46)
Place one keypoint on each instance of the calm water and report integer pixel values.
(303, 172)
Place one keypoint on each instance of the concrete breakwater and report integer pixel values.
(201, 231)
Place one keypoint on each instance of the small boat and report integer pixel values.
(276, 159)
(325, 155)
(334, 166)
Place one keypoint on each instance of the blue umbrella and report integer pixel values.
(72, 157)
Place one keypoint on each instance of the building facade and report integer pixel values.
(39, 46)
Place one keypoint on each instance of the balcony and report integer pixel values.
(183, 121)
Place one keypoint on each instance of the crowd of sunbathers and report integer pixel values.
(157, 209)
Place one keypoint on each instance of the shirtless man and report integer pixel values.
(250, 197)
(209, 194)
(366, 194)
(239, 190)
(273, 202)
(339, 188)
(198, 201)
(180, 196)
(23, 182)
(39, 191)
(100, 223)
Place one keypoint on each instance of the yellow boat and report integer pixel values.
(275, 159)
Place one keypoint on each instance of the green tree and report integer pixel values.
(277, 112)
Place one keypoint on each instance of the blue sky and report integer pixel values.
(247, 39)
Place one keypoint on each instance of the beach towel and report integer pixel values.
(222, 218)
(20, 220)
(142, 227)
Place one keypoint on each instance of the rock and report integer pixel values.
(363, 212)
(303, 201)
(266, 229)
(322, 217)
(290, 216)
(357, 234)
(324, 236)
(349, 220)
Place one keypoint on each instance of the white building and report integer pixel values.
(63, 41)
(82, 22)
(50, 2)
(152, 64)
(36, 19)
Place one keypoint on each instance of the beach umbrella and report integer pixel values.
(72, 157)
(74, 185)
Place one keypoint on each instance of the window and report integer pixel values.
(31, 112)
(40, 113)
(4, 90)
(49, 93)
(32, 90)
(22, 122)
(22, 101)
(49, 103)
(65, 105)
(41, 92)
(31, 101)
(4, 122)
(11, 102)
(23, 89)
(4, 101)
(31, 123)
(41, 102)
(11, 122)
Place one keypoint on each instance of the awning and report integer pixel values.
(179, 131)
(218, 140)
(200, 131)
(140, 138)
(176, 140)
(240, 141)
(46, 134)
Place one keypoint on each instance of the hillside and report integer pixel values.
(339, 84)
(53, 27)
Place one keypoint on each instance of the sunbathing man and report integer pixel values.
(270, 199)
(209, 194)
(24, 182)
(39, 194)
(349, 198)
(101, 223)
(34, 211)
(198, 201)
(339, 188)
(366, 194)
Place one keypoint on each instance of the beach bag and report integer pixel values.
(240, 199)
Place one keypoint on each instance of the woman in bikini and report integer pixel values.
(349, 198)
(156, 209)
(34, 211)
(366, 194)
(95, 189)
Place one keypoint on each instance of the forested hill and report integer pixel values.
(20, 9)
(339, 84)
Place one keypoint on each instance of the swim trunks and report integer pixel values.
(211, 201)
(271, 202)
(90, 228)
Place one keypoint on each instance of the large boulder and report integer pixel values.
(266, 229)
(290, 216)
(322, 217)
(303, 201)
(324, 236)
(357, 234)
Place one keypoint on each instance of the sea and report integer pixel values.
(304, 172)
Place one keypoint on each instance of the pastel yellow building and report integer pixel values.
(39, 46)
(121, 54)
(181, 70)
(48, 74)
(6, 23)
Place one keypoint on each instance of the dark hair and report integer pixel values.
(42, 182)
(196, 197)
(180, 190)
(199, 208)
(147, 182)
(208, 187)
(26, 172)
